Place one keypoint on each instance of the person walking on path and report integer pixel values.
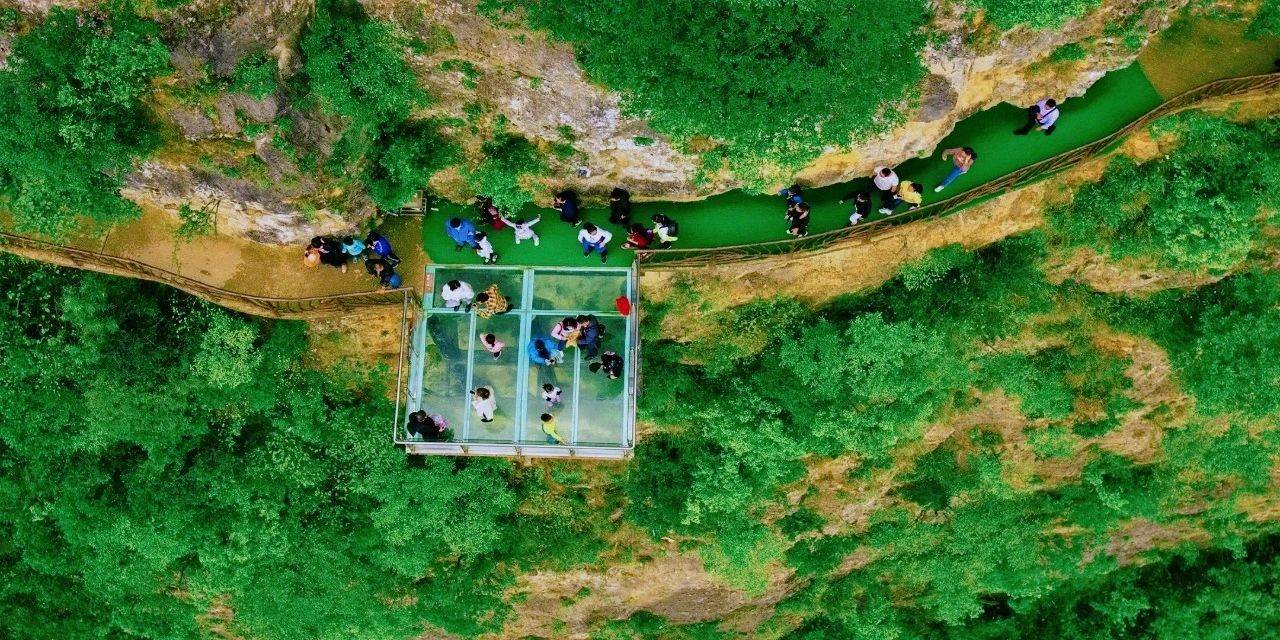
(543, 351)
(552, 395)
(457, 295)
(490, 302)
(961, 159)
(566, 202)
(886, 182)
(665, 230)
(1041, 116)
(462, 232)
(793, 194)
(549, 429)
(909, 192)
(798, 220)
(484, 402)
(594, 239)
(493, 345)
(861, 205)
(620, 207)
(523, 230)
(484, 248)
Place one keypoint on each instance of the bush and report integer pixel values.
(72, 122)
(507, 160)
(255, 75)
(1048, 14)
(402, 160)
(784, 79)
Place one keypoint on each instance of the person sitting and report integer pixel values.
(484, 248)
(491, 301)
(620, 207)
(484, 402)
(665, 230)
(909, 192)
(594, 239)
(431, 428)
(489, 213)
(457, 295)
(523, 230)
(565, 332)
(384, 272)
(549, 428)
(589, 334)
(462, 232)
(352, 247)
(552, 395)
(566, 202)
(638, 238)
(610, 365)
(543, 351)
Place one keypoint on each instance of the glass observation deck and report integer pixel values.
(447, 360)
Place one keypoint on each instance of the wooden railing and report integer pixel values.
(674, 258)
(284, 308)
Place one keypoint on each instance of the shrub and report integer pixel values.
(1049, 14)
(255, 75)
(507, 160)
(72, 122)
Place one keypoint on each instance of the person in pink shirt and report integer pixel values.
(493, 344)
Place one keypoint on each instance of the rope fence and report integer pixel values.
(674, 258)
(281, 308)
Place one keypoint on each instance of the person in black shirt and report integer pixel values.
(566, 202)
(861, 205)
(610, 365)
(430, 428)
(620, 207)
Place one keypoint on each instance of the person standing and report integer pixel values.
(566, 202)
(427, 427)
(861, 205)
(552, 395)
(462, 232)
(523, 230)
(886, 182)
(457, 295)
(352, 247)
(594, 239)
(961, 159)
(566, 333)
(620, 207)
(610, 365)
(381, 247)
(1041, 116)
(493, 345)
(798, 220)
(484, 402)
(484, 248)
(589, 334)
(490, 302)
(794, 195)
(549, 429)
(909, 192)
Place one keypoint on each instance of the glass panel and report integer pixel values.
(510, 282)
(560, 376)
(585, 290)
(499, 374)
(444, 372)
(601, 401)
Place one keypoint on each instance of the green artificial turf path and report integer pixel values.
(742, 218)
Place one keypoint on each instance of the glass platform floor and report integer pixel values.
(597, 417)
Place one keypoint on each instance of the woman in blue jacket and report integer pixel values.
(543, 351)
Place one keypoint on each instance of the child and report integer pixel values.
(552, 395)
(523, 230)
(352, 247)
(798, 220)
(493, 344)
(549, 428)
(861, 205)
(567, 203)
(484, 248)
(620, 207)
(665, 230)
(638, 238)
(484, 402)
(594, 239)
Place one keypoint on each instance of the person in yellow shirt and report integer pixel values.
(549, 428)
(909, 192)
(491, 301)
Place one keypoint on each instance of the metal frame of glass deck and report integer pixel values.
(465, 440)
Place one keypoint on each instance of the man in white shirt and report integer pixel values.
(594, 238)
(886, 182)
(1041, 116)
(457, 294)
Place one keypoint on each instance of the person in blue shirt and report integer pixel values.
(352, 246)
(543, 351)
(567, 203)
(462, 232)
